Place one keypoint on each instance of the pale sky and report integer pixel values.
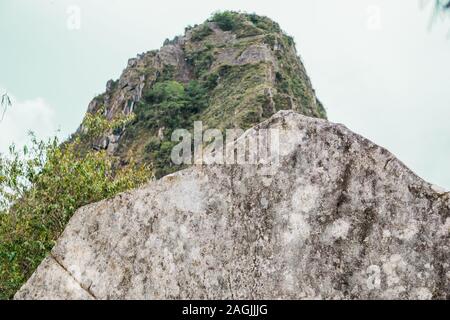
(375, 64)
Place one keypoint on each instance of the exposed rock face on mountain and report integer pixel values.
(337, 217)
(235, 70)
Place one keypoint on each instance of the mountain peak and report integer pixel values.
(234, 70)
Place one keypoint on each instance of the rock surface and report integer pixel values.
(338, 218)
(231, 78)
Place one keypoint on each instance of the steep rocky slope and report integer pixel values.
(235, 70)
(337, 217)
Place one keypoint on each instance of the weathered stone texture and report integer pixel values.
(55, 281)
(339, 218)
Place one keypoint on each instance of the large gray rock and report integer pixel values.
(338, 218)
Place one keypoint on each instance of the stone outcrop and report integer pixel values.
(338, 218)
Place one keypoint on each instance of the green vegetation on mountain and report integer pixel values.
(166, 106)
(40, 189)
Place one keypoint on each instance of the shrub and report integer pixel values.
(171, 104)
(201, 61)
(196, 96)
(160, 157)
(165, 105)
(212, 81)
(168, 105)
(168, 73)
(40, 189)
(243, 24)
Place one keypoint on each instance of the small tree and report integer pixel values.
(440, 6)
(443, 4)
(5, 103)
(42, 186)
(226, 20)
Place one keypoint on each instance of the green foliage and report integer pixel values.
(442, 5)
(224, 95)
(5, 104)
(167, 106)
(165, 91)
(201, 61)
(168, 73)
(239, 23)
(171, 104)
(234, 99)
(40, 189)
(264, 23)
(158, 152)
(201, 32)
(197, 96)
(441, 10)
(244, 24)
(95, 125)
(271, 40)
(42, 186)
(211, 81)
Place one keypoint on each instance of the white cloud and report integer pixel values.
(23, 116)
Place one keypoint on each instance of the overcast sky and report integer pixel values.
(375, 64)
